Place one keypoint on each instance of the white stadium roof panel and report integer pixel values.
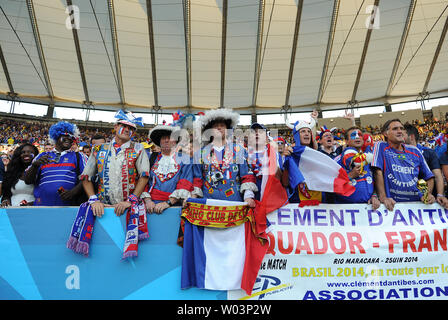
(257, 56)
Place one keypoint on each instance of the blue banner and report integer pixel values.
(35, 263)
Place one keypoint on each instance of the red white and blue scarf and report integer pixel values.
(136, 228)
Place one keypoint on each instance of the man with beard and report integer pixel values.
(55, 173)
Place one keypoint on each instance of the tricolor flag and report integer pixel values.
(319, 171)
(221, 258)
(230, 258)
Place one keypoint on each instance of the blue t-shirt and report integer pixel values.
(431, 158)
(52, 176)
(363, 184)
(401, 170)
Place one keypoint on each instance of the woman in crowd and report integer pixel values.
(14, 190)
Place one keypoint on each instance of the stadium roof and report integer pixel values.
(256, 56)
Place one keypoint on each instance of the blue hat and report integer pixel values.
(257, 125)
(128, 119)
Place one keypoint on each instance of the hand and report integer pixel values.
(42, 160)
(375, 202)
(149, 205)
(160, 207)
(355, 173)
(121, 207)
(250, 202)
(97, 208)
(389, 203)
(287, 151)
(5, 203)
(184, 203)
(443, 201)
(314, 114)
(67, 195)
(429, 200)
(349, 115)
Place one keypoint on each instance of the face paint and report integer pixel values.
(355, 135)
(121, 131)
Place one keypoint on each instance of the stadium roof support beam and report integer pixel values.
(152, 51)
(113, 30)
(80, 62)
(404, 38)
(187, 34)
(6, 72)
(364, 52)
(257, 69)
(436, 56)
(40, 50)
(294, 50)
(334, 20)
(223, 51)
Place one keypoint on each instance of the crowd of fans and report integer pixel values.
(25, 149)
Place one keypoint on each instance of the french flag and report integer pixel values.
(317, 170)
(221, 258)
(230, 258)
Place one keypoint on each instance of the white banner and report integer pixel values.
(350, 252)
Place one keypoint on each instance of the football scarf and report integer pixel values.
(136, 228)
(82, 230)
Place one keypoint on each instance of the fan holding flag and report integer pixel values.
(264, 158)
(224, 239)
(311, 172)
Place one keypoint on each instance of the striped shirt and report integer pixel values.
(53, 175)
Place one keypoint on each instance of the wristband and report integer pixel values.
(440, 195)
(374, 195)
(133, 198)
(93, 198)
(169, 203)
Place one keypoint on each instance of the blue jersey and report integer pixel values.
(51, 176)
(363, 184)
(401, 170)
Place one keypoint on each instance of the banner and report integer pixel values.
(350, 252)
(340, 252)
(36, 264)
